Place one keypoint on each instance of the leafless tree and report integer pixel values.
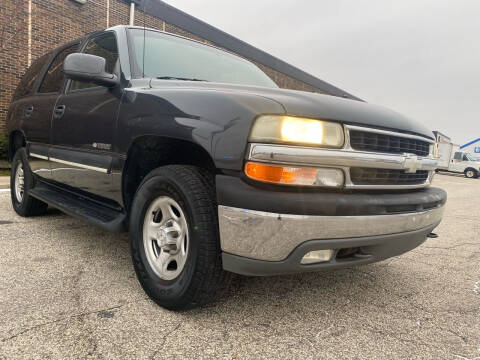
(12, 20)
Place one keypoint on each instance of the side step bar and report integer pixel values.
(80, 207)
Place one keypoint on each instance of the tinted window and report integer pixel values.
(104, 46)
(170, 56)
(458, 156)
(465, 158)
(28, 80)
(53, 80)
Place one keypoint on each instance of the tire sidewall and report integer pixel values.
(468, 171)
(20, 157)
(173, 290)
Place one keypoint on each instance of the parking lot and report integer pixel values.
(68, 290)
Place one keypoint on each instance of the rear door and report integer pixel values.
(38, 112)
(34, 123)
(84, 124)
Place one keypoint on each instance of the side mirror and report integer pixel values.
(88, 68)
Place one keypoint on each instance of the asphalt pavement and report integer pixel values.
(68, 290)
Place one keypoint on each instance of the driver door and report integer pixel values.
(83, 127)
(458, 164)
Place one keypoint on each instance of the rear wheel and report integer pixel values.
(471, 173)
(174, 237)
(21, 182)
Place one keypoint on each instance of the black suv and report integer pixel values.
(211, 167)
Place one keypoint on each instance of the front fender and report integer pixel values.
(218, 121)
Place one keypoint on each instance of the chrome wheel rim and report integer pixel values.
(470, 173)
(19, 182)
(165, 238)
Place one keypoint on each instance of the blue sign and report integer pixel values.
(476, 150)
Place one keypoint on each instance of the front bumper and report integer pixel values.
(273, 238)
(370, 249)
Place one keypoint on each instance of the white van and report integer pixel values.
(452, 159)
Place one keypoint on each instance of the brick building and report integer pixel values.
(30, 28)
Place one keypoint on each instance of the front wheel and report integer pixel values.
(21, 182)
(471, 173)
(174, 237)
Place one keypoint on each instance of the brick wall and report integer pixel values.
(55, 22)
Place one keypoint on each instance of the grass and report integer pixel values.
(4, 172)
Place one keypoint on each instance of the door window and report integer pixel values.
(104, 46)
(53, 80)
(458, 156)
(28, 80)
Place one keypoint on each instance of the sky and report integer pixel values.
(418, 57)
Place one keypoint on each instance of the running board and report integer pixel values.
(80, 207)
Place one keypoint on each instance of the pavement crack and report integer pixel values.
(164, 340)
(81, 315)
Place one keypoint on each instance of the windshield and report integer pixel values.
(169, 57)
(470, 157)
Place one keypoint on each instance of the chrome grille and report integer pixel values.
(372, 176)
(386, 143)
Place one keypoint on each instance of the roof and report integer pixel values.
(436, 132)
(208, 32)
(470, 143)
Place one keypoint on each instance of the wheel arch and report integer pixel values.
(475, 171)
(148, 152)
(16, 140)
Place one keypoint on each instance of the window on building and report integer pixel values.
(53, 80)
(104, 46)
(28, 80)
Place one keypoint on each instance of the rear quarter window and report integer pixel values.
(25, 87)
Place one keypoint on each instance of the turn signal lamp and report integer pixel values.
(288, 175)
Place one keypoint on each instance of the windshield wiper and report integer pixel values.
(178, 78)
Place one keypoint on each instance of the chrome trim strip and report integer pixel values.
(390, 133)
(272, 237)
(94, 168)
(339, 158)
(43, 157)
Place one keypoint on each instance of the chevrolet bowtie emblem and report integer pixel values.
(412, 163)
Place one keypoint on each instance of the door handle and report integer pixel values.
(59, 111)
(28, 111)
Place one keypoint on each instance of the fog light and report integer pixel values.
(317, 256)
(289, 175)
(329, 177)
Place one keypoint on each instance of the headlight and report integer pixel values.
(296, 130)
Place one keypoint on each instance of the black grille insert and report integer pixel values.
(368, 176)
(369, 141)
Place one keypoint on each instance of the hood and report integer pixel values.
(317, 106)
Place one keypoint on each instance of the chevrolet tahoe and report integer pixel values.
(211, 167)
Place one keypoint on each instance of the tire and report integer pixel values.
(471, 173)
(192, 273)
(24, 204)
